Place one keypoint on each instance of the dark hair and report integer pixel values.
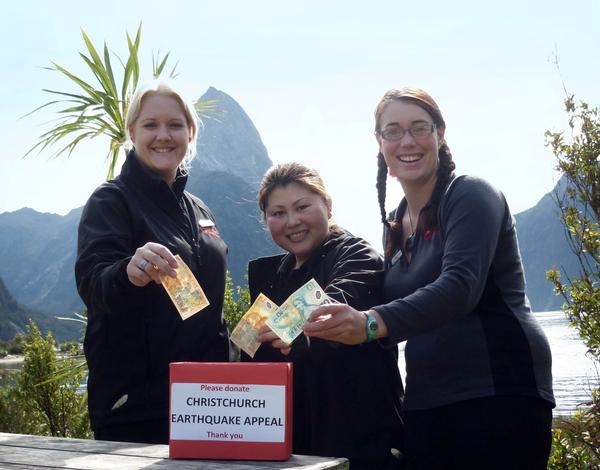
(445, 170)
(287, 173)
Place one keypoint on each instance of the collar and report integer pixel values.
(396, 215)
(136, 173)
(286, 267)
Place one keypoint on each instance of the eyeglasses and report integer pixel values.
(394, 133)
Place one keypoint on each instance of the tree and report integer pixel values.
(45, 398)
(99, 109)
(579, 161)
(576, 441)
(236, 302)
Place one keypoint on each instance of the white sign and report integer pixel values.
(227, 412)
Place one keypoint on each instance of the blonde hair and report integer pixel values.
(159, 87)
(287, 173)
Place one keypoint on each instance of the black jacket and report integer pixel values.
(134, 333)
(346, 398)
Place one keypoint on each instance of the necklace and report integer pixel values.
(410, 241)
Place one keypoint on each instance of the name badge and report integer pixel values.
(208, 226)
(396, 257)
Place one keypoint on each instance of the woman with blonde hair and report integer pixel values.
(130, 231)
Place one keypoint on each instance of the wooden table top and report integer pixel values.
(18, 451)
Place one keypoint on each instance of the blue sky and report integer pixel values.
(309, 75)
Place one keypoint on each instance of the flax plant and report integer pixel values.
(98, 108)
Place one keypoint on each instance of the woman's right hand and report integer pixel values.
(148, 262)
(266, 335)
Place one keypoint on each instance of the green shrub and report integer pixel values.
(236, 303)
(15, 345)
(576, 439)
(69, 346)
(45, 398)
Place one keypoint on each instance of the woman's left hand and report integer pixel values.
(337, 322)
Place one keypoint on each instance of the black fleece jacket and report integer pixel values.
(133, 333)
(346, 398)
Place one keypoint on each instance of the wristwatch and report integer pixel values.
(371, 327)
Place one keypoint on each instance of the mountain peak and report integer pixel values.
(229, 142)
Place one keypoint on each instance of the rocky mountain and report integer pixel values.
(228, 142)
(37, 254)
(14, 318)
(544, 245)
(226, 174)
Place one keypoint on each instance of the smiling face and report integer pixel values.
(298, 220)
(413, 160)
(161, 135)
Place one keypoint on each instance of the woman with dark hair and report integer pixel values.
(346, 398)
(478, 384)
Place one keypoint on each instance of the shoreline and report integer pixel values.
(11, 359)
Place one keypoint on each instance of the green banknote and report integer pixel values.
(290, 317)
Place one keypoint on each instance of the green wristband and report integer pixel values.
(371, 327)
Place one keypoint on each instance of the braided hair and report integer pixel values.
(445, 170)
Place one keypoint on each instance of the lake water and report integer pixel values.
(574, 374)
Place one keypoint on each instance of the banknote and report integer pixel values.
(290, 317)
(184, 290)
(245, 334)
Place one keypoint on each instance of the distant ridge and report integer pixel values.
(14, 319)
(544, 245)
(37, 254)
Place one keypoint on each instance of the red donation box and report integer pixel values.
(230, 411)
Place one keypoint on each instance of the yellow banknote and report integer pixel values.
(245, 334)
(184, 290)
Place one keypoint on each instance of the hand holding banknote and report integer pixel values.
(184, 290)
(148, 262)
(266, 335)
(341, 323)
(287, 321)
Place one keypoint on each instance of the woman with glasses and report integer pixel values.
(346, 398)
(478, 366)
